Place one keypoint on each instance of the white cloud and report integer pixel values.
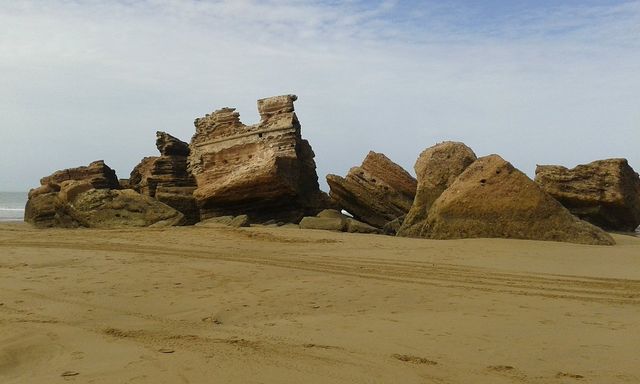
(85, 80)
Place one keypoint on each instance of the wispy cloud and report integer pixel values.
(82, 80)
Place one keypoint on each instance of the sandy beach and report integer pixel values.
(276, 305)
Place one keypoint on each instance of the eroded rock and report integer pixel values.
(604, 192)
(325, 223)
(265, 170)
(109, 208)
(97, 173)
(166, 177)
(491, 198)
(93, 200)
(436, 169)
(376, 192)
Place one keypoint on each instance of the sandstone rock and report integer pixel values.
(605, 192)
(437, 168)
(43, 189)
(166, 177)
(171, 146)
(46, 210)
(70, 189)
(231, 221)
(47, 204)
(324, 223)
(355, 226)
(97, 173)
(105, 208)
(265, 170)
(493, 199)
(124, 184)
(376, 192)
(392, 227)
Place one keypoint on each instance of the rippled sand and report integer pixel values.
(274, 305)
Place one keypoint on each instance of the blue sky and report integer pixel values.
(536, 82)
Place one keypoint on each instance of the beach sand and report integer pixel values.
(276, 305)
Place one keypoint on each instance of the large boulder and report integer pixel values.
(491, 198)
(46, 210)
(109, 208)
(265, 170)
(437, 168)
(605, 192)
(93, 200)
(166, 177)
(376, 192)
(97, 173)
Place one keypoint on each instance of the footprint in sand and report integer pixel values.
(561, 375)
(413, 359)
(500, 368)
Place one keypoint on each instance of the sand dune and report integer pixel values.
(274, 305)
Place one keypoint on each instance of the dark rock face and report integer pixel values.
(605, 193)
(491, 198)
(264, 170)
(376, 192)
(171, 146)
(69, 203)
(166, 177)
(437, 168)
(97, 173)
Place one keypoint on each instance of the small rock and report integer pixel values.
(324, 223)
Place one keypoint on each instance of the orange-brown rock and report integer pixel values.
(97, 173)
(45, 209)
(166, 177)
(110, 208)
(436, 169)
(491, 198)
(91, 197)
(265, 170)
(376, 192)
(605, 192)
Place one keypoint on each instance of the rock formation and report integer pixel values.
(491, 198)
(166, 177)
(45, 209)
(264, 170)
(376, 192)
(333, 220)
(110, 208)
(437, 168)
(97, 173)
(89, 197)
(605, 192)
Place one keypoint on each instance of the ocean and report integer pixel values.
(12, 206)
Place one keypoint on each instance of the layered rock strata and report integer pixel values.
(166, 177)
(97, 173)
(376, 192)
(604, 192)
(266, 170)
(491, 198)
(93, 200)
(436, 169)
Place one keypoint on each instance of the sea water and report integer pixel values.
(12, 206)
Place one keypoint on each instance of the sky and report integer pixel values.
(537, 82)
